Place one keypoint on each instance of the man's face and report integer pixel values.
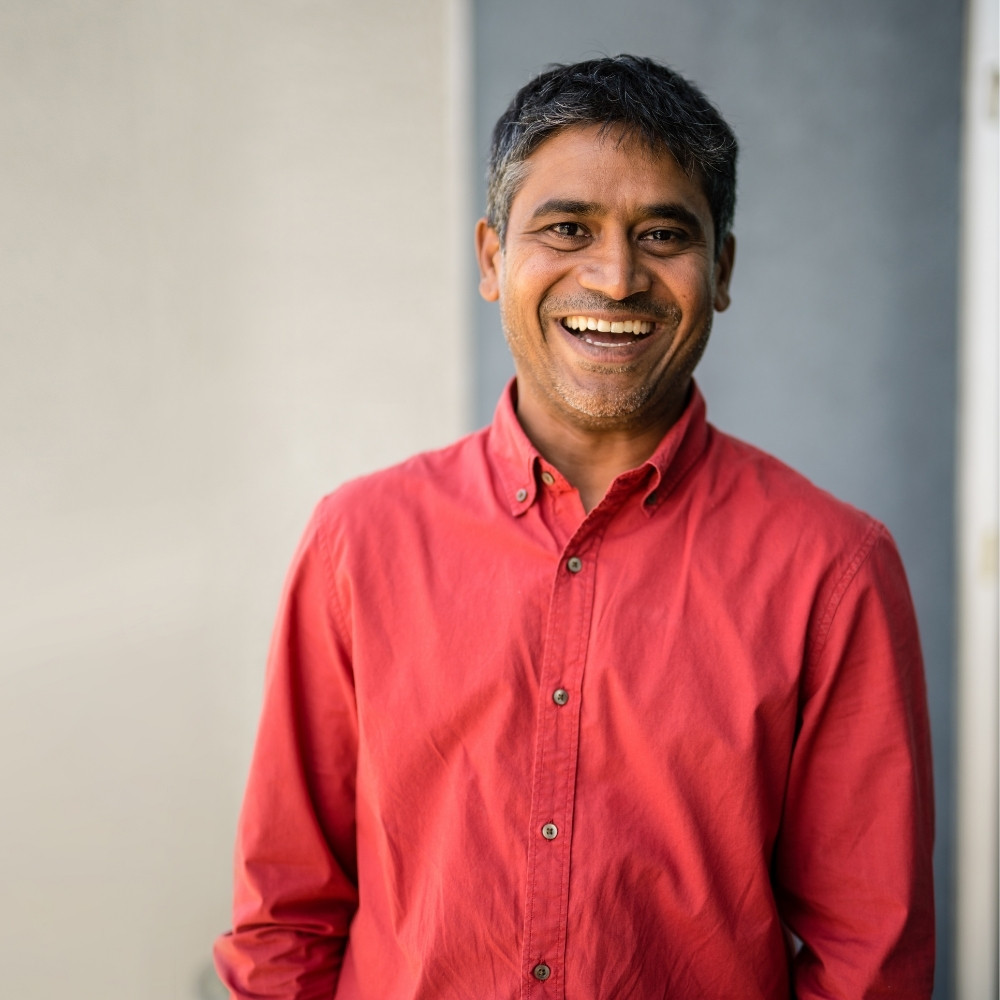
(607, 282)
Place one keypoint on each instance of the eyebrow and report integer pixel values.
(662, 210)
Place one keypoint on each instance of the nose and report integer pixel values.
(613, 267)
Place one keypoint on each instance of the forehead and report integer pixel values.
(605, 167)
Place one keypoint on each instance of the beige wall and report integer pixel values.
(230, 279)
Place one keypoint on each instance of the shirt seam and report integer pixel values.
(336, 614)
(863, 551)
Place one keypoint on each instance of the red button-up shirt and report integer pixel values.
(510, 750)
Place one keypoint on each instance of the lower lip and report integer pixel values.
(615, 354)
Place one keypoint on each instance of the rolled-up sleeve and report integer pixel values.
(853, 871)
(295, 865)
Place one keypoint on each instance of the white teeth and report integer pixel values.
(633, 326)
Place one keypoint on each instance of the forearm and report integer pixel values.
(295, 889)
(853, 864)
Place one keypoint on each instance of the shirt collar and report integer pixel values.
(516, 459)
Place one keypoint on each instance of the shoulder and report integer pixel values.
(823, 556)
(776, 518)
(763, 488)
(423, 486)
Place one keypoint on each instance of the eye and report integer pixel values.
(663, 240)
(571, 230)
(664, 236)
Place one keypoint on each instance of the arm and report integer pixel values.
(295, 866)
(852, 869)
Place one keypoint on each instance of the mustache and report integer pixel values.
(640, 303)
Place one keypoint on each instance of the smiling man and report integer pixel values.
(607, 270)
(598, 703)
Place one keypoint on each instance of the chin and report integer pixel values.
(606, 406)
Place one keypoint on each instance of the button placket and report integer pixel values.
(555, 764)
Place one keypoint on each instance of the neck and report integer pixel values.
(591, 458)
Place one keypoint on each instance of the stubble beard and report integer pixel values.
(608, 407)
(603, 405)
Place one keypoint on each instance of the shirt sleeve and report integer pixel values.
(853, 871)
(295, 865)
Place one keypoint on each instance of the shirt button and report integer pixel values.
(574, 564)
(521, 495)
(550, 831)
(548, 478)
(541, 972)
(560, 696)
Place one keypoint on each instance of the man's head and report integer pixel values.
(632, 95)
(607, 244)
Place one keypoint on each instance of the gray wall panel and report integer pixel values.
(838, 354)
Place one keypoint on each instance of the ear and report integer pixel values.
(723, 272)
(488, 256)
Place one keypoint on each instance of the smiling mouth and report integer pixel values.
(607, 333)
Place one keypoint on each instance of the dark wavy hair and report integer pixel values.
(638, 95)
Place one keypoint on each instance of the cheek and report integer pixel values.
(519, 297)
(695, 293)
(533, 277)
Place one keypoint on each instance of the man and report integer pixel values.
(598, 702)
